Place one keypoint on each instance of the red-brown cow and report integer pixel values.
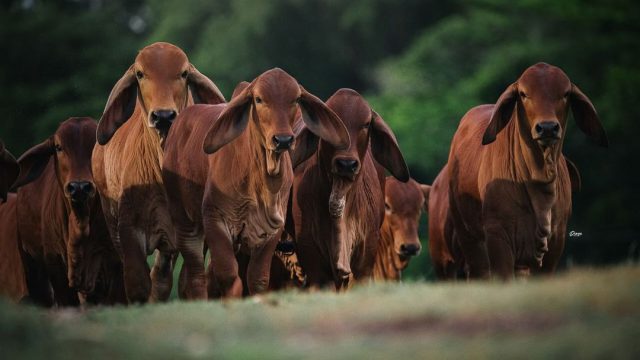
(12, 281)
(61, 229)
(127, 162)
(338, 195)
(510, 190)
(399, 240)
(236, 198)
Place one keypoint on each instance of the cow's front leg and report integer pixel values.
(259, 267)
(501, 259)
(137, 282)
(223, 266)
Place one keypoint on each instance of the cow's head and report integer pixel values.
(367, 130)
(542, 97)
(163, 83)
(70, 149)
(403, 203)
(8, 171)
(269, 106)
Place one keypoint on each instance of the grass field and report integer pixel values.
(581, 314)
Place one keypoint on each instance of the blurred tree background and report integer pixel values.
(421, 63)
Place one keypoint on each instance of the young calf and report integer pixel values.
(510, 188)
(338, 194)
(235, 199)
(61, 229)
(399, 240)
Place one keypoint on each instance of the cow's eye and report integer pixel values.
(566, 95)
(58, 147)
(387, 207)
(258, 100)
(367, 125)
(139, 74)
(184, 74)
(523, 95)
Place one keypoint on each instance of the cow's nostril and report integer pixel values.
(72, 188)
(282, 142)
(86, 187)
(538, 129)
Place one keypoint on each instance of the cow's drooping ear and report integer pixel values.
(502, 113)
(33, 162)
(586, 116)
(426, 190)
(120, 106)
(322, 121)
(203, 90)
(306, 145)
(9, 171)
(385, 150)
(574, 175)
(231, 122)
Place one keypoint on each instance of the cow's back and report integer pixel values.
(185, 163)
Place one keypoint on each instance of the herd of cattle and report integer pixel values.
(280, 188)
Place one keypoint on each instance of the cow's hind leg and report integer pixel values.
(193, 280)
(38, 286)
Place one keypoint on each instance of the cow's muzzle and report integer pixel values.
(409, 250)
(547, 133)
(346, 167)
(161, 120)
(80, 191)
(282, 142)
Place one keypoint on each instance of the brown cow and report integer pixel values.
(399, 240)
(61, 229)
(338, 195)
(127, 162)
(236, 198)
(12, 281)
(510, 190)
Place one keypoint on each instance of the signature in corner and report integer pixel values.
(574, 233)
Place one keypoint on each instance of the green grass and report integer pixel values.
(582, 314)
